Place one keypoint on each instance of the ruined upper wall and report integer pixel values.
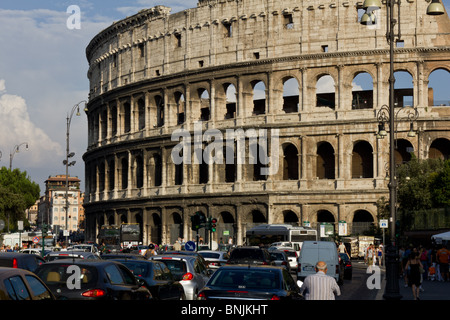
(155, 42)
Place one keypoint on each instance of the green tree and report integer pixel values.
(17, 193)
(441, 187)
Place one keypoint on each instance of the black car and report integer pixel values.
(157, 278)
(250, 282)
(20, 260)
(20, 284)
(346, 263)
(81, 279)
(250, 255)
(122, 256)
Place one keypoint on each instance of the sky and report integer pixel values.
(43, 75)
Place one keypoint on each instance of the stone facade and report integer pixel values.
(252, 65)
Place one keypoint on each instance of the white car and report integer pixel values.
(292, 256)
(86, 248)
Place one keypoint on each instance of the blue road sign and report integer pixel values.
(189, 246)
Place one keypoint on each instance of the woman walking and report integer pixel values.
(414, 266)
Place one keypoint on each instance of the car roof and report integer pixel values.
(80, 261)
(174, 256)
(14, 255)
(250, 267)
(6, 271)
(69, 252)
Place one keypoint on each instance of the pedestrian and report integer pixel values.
(423, 252)
(150, 251)
(380, 255)
(320, 286)
(369, 255)
(414, 266)
(405, 258)
(442, 256)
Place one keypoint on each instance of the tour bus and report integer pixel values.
(284, 235)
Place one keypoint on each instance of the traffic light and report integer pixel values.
(213, 224)
(397, 229)
(195, 222)
(44, 230)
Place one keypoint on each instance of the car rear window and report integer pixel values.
(16, 288)
(210, 255)
(138, 269)
(58, 275)
(245, 279)
(246, 254)
(177, 267)
(6, 262)
(290, 254)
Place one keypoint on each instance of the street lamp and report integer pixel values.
(392, 290)
(70, 155)
(14, 151)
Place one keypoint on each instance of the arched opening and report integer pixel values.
(141, 114)
(176, 227)
(325, 161)
(325, 92)
(159, 108)
(290, 163)
(230, 94)
(181, 107)
(290, 217)
(403, 89)
(362, 221)
(362, 160)
(440, 149)
(439, 88)
(111, 174)
(403, 151)
(124, 168)
(326, 222)
(101, 176)
(139, 172)
(126, 117)
(290, 95)
(205, 111)
(156, 229)
(259, 98)
(362, 91)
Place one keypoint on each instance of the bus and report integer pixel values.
(269, 234)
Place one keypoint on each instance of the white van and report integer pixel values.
(315, 251)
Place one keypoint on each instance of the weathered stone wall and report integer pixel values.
(156, 56)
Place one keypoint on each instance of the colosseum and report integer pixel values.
(301, 83)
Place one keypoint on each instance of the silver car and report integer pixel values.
(57, 255)
(189, 270)
(214, 258)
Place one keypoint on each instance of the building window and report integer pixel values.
(228, 29)
(288, 22)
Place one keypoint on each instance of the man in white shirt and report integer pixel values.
(319, 286)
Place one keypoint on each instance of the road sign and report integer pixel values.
(189, 246)
(383, 223)
(36, 240)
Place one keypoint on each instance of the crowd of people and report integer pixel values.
(420, 263)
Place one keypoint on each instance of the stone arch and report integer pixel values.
(325, 164)
(180, 107)
(362, 160)
(403, 151)
(439, 149)
(290, 217)
(325, 91)
(362, 91)
(362, 221)
(403, 89)
(175, 226)
(291, 94)
(290, 162)
(259, 97)
(438, 87)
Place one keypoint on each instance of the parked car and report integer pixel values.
(292, 257)
(57, 255)
(189, 270)
(250, 255)
(20, 260)
(251, 282)
(215, 259)
(315, 251)
(91, 280)
(156, 277)
(280, 259)
(346, 263)
(21, 284)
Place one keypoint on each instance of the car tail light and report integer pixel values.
(201, 296)
(284, 263)
(15, 265)
(94, 293)
(275, 297)
(187, 276)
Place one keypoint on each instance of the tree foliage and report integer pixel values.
(17, 193)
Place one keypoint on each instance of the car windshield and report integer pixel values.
(246, 279)
(59, 275)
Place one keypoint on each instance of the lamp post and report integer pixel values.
(66, 161)
(392, 291)
(14, 151)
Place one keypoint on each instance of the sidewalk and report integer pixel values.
(433, 290)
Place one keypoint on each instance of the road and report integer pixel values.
(358, 289)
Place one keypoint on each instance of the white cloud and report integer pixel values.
(16, 127)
